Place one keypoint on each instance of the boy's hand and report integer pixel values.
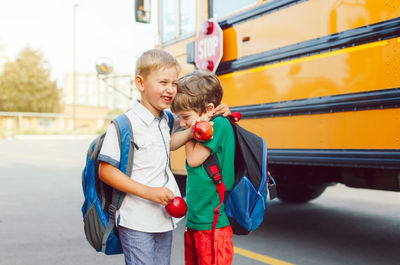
(222, 109)
(161, 195)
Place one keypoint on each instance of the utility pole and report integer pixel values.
(76, 5)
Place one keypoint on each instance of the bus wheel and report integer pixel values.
(299, 193)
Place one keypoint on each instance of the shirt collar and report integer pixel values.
(145, 114)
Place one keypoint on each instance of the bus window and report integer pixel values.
(219, 8)
(168, 21)
(178, 20)
(188, 18)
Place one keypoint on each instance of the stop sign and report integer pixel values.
(208, 46)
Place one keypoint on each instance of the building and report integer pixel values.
(114, 92)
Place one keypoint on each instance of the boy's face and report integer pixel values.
(189, 117)
(158, 89)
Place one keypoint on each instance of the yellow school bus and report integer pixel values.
(319, 80)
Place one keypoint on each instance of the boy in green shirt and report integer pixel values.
(198, 94)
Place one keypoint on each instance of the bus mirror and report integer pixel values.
(143, 11)
(104, 66)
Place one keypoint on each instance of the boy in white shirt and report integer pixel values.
(145, 229)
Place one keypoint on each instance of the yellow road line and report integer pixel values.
(308, 58)
(259, 257)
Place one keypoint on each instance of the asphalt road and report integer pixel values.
(41, 222)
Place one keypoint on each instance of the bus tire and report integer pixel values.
(299, 193)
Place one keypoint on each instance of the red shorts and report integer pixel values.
(198, 246)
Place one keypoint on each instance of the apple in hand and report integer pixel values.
(176, 207)
(202, 131)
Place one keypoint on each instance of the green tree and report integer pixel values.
(26, 86)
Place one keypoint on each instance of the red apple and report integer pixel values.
(176, 207)
(202, 131)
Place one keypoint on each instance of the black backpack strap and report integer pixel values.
(213, 169)
(112, 210)
(271, 187)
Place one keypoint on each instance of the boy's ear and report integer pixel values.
(210, 109)
(139, 80)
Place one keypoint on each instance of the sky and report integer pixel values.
(104, 28)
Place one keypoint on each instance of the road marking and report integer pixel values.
(259, 257)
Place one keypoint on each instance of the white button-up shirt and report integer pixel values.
(150, 167)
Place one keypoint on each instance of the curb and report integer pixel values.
(50, 137)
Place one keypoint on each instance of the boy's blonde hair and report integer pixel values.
(155, 59)
(196, 90)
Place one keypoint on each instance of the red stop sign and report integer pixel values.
(209, 46)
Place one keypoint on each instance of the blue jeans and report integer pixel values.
(141, 248)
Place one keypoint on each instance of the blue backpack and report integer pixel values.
(101, 200)
(246, 203)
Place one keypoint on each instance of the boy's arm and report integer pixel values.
(196, 153)
(180, 138)
(118, 180)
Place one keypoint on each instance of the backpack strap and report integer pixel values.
(170, 120)
(213, 169)
(125, 139)
(271, 187)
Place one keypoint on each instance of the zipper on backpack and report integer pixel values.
(254, 205)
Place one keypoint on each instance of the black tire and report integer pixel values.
(299, 193)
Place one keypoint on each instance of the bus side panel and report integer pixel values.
(361, 68)
(308, 20)
(367, 129)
